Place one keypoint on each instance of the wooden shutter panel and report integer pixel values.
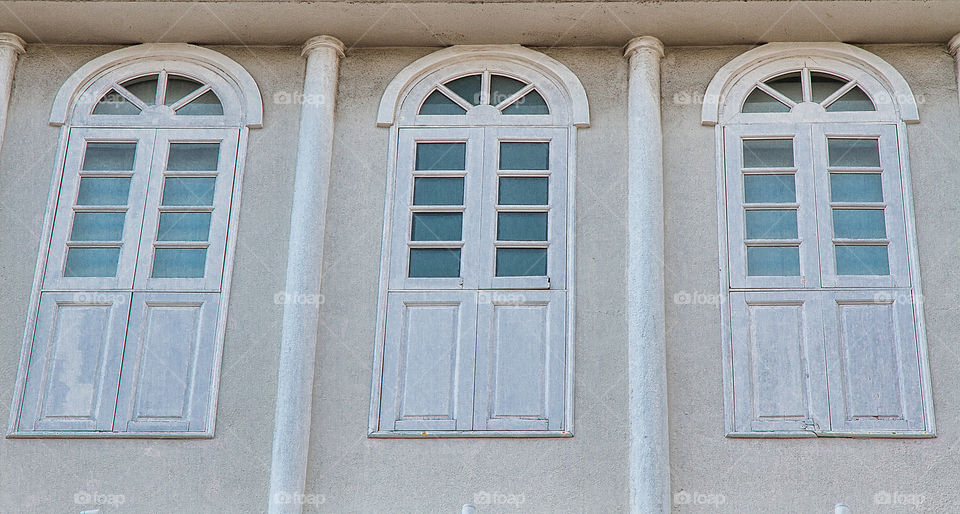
(779, 379)
(873, 361)
(75, 361)
(521, 350)
(428, 364)
(168, 363)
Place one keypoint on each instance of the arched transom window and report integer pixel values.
(818, 248)
(476, 292)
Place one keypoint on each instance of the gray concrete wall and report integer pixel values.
(230, 472)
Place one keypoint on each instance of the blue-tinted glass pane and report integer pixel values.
(115, 104)
(859, 224)
(206, 104)
(467, 88)
(823, 85)
(524, 156)
(438, 191)
(530, 104)
(438, 104)
(441, 156)
(110, 156)
(179, 87)
(91, 262)
(179, 262)
(853, 100)
(759, 101)
(769, 189)
(103, 191)
(524, 191)
(862, 260)
(437, 226)
(859, 153)
(184, 226)
(788, 85)
(502, 88)
(856, 187)
(145, 88)
(771, 224)
(193, 156)
(97, 226)
(188, 191)
(522, 226)
(767, 153)
(521, 262)
(434, 262)
(773, 261)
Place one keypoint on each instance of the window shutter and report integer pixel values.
(779, 377)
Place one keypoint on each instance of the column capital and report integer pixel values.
(954, 45)
(13, 41)
(318, 42)
(643, 43)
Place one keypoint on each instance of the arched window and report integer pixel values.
(823, 325)
(476, 299)
(129, 301)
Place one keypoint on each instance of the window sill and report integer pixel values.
(107, 435)
(810, 434)
(418, 434)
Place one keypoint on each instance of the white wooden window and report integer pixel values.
(474, 323)
(126, 329)
(825, 334)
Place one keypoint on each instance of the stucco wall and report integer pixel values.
(230, 472)
(803, 475)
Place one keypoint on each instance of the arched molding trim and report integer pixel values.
(244, 87)
(564, 79)
(716, 99)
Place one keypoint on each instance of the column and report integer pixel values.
(299, 331)
(11, 46)
(646, 352)
(954, 46)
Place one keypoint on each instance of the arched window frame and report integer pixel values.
(399, 110)
(72, 109)
(895, 108)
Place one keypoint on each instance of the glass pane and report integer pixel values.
(193, 156)
(467, 88)
(441, 156)
(772, 224)
(530, 103)
(788, 85)
(523, 191)
(179, 87)
(522, 226)
(97, 226)
(521, 262)
(184, 226)
(91, 262)
(824, 85)
(434, 262)
(862, 260)
(179, 262)
(855, 187)
(773, 261)
(437, 226)
(524, 156)
(145, 88)
(859, 224)
(103, 191)
(110, 156)
(114, 103)
(769, 189)
(759, 101)
(188, 191)
(438, 104)
(767, 153)
(438, 191)
(862, 153)
(502, 88)
(206, 104)
(853, 100)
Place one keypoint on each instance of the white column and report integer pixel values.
(646, 352)
(11, 46)
(954, 46)
(298, 340)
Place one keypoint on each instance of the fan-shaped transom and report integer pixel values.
(169, 94)
(784, 92)
(508, 95)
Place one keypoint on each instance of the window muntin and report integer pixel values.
(783, 92)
